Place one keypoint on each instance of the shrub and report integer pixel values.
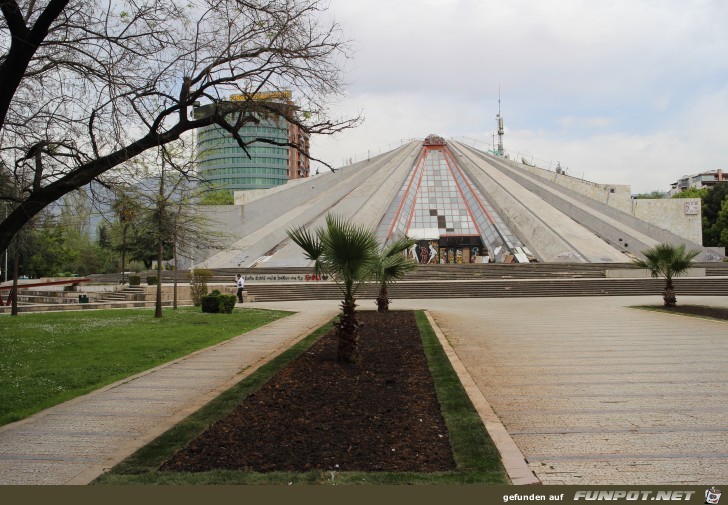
(210, 303)
(227, 303)
(198, 284)
(152, 280)
(135, 280)
(215, 292)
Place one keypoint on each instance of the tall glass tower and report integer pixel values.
(223, 163)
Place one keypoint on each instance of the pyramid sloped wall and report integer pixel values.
(556, 224)
(666, 213)
(622, 230)
(547, 231)
(257, 230)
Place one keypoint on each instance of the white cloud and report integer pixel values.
(627, 91)
(584, 122)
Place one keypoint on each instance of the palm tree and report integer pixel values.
(392, 265)
(668, 261)
(348, 254)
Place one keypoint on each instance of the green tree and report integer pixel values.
(714, 215)
(721, 223)
(650, 195)
(217, 197)
(47, 252)
(103, 237)
(692, 193)
(126, 209)
(348, 254)
(143, 239)
(392, 265)
(667, 261)
(712, 203)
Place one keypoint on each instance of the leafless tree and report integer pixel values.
(170, 217)
(88, 85)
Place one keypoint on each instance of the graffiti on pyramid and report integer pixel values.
(462, 205)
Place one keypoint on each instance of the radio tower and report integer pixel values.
(501, 131)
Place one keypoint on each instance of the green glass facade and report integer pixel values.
(222, 162)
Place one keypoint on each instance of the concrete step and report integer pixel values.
(495, 289)
(435, 272)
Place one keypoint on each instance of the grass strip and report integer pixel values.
(51, 357)
(477, 458)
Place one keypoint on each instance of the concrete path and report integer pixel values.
(76, 441)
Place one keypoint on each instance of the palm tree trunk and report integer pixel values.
(348, 333)
(383, 299)
(669, 294)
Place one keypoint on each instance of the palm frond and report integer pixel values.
(393, 268)
(310, 243)
(349, 250)
(666, 260)
(398, 246)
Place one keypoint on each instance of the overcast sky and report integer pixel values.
(620, 91)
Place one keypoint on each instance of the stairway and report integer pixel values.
(508, 288)
(129, 293)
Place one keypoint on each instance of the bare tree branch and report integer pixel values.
(91, 84)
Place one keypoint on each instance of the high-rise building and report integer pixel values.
(223, 163)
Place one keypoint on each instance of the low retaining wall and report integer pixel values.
(639, 273)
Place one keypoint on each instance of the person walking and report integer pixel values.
(240, 281)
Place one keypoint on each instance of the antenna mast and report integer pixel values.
(501, 130)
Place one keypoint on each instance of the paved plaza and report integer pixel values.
(594, 392)
(590, 390)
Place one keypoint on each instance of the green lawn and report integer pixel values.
(477, 459)
(48, 358)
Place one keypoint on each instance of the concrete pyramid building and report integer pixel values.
(463, 206)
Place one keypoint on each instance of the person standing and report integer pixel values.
(240, 281)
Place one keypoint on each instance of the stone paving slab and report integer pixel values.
(637, 421)
(74, 442)
(595, 392)
(688, 471)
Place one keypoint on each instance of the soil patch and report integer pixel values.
(382, 415)
(697, 310)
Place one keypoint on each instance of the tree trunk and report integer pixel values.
(348, 333)
(16, 258)
(383, 299)
(158, 304)
(174, 276)
(123, 254)
(160, 241)
(669, 294)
